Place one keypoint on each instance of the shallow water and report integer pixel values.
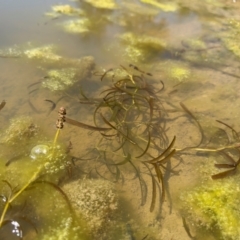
(193, 49)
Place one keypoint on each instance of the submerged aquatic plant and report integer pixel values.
(213, 206)
(226, 151)
(130, 120)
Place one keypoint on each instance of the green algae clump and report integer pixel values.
(180, 73)
(65, 230)
(215, 206)
(166, 7)
(141, 48)
(45, 53)
(176, 71)
(19, 132)
(194, 44)
(65, 9)
(105, 4)
(60, 79)
(139, 9)
(67, 77)
(82, 25)
(230, 38)
(58, 10)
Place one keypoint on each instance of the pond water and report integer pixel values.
(150, 146)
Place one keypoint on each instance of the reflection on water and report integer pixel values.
(141, 155)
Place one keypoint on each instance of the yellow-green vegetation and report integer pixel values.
(13, 52)
(44, 53)
(67, 77)
(166, 7)
(20, 131)
(116, 73)
(105, 4)
(65, 230)
(194, 44)
(60, 79)
(30, 181)
(65, 9)
(82, 25)
(231, 36)
(58, 10)
(141, 47)
(177, 71)
(139, 9)
(215, 206)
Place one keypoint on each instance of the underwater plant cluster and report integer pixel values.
(139, 138)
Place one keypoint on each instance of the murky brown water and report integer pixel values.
(190, 48)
